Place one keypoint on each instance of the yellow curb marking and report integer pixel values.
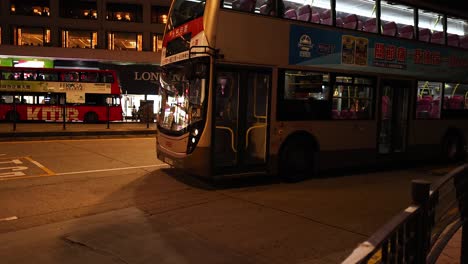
(42, 167)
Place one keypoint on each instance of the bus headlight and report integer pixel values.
(195, 133)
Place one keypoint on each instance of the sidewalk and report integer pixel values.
(451, 252)
(37, 131)
(121, 236)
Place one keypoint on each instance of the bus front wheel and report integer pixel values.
(91, 117)
(12, 116)
(298, 160)
(453, 148)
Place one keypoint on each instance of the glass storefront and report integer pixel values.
(31, 36)
(124, 41)
(133, 104)
(79, 39)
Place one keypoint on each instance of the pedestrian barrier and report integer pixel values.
(419, 233)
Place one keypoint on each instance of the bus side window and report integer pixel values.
(107, 78)
(83, 77)
(223, 100)
(223, 88)
(92, 77)
(40, 77)
(247, 5)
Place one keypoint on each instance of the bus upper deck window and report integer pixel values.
(108, 78)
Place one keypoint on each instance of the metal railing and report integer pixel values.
(419, 233)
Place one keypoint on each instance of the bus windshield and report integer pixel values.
(184, 11)
(183, 97)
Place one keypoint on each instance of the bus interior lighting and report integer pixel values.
(397, 14)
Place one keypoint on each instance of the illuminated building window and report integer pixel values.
(31, 36)
(30, 7)
(124, 41)
(124, 12)
(79, 39)
(159, 14)
(157, 42)
(78, 9)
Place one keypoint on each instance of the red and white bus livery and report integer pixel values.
(46, 94)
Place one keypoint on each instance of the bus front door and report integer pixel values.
(393, 118)
(241, 121)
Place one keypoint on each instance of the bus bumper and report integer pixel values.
(196, 164)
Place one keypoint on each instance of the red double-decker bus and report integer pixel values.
(31, 94)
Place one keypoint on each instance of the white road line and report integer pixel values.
(114, 169)
(9, 218)
(18, 168)
(15, 161)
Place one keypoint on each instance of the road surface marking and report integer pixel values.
(9, 218)
(15, 171)
(18, 168)
(11, 174)
(42, 167)
(113, 169)
(65, 140)
(16, 177)
(14, 161)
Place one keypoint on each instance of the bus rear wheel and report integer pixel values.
(91, 117)
(12, 116)
(297, 160)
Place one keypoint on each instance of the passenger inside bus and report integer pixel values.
(274, 8)
(246, 5)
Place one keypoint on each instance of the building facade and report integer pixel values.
(125, 35)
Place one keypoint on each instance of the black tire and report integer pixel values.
(298, 160)
(453, 148)
(91, 117)
(12, 116)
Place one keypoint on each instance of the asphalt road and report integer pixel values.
(46, 183)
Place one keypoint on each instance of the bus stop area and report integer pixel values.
(56, 130)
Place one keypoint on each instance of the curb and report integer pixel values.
(24, 136)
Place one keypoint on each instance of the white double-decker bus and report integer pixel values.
(249, 88)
